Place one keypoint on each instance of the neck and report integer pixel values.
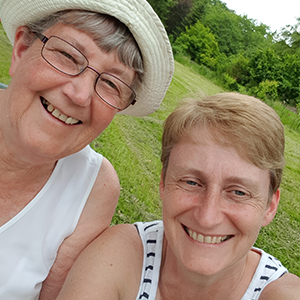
(20, 182)
(176, 282)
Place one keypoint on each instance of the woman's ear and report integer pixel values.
(162, 181)
(19, 48)
(272, 209)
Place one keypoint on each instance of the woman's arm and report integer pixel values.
(286, 287)
(95, 218)
(109, 268)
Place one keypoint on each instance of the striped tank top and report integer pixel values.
(151, 234)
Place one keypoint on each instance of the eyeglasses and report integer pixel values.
(67, 59)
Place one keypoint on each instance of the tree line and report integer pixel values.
(244, 53)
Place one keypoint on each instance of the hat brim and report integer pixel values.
(137, 15)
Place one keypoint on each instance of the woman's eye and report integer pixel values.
(67, 55)
(111, 84)
(239, 193)
(190, 182)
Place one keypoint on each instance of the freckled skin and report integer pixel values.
(211, 190)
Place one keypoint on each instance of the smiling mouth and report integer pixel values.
(207, 239)
(57, 114)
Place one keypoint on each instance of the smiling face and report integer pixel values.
(49, 114)
(214, 204)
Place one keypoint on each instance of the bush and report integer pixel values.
(230, 82)
(199, 44)
(267, 90)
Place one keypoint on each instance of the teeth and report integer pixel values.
(200, 238)
(207, 239)
(50, 108)
(57, 114)
(63, 117)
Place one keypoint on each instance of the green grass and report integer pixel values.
(133, 146)
(5, 55)
(281, 237)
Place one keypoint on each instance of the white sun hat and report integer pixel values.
(137, 15)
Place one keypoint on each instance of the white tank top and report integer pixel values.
(29, 242)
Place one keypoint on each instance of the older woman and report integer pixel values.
(222, 158)
(75, 64)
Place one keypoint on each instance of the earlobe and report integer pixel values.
(19, 48)
(272, 209)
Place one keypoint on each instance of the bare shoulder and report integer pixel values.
(109, 268)
(285, 287)
(103, 199)
(95, 218)
(100, 206)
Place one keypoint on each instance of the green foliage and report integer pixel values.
(198, 10)
(177, 17)
(199, 44)
(267, 90)
(288, 40)
(233, 32)
(237, 66)
(162, 8)
(289, 88)
(265, 65)
(5, 55)
(244, 54)
(288, 116)
(230, 82)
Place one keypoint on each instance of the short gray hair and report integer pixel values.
(108, 33)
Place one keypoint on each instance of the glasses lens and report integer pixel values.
(63, 56)
(114, 91)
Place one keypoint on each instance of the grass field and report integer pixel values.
(5, 54)
(133, 146)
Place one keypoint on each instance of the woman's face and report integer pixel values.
(31, 126)
(214, 204)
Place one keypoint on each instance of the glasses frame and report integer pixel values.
(45, 39)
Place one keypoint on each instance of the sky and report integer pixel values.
(274, 13)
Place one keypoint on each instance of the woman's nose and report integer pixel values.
(208, 211)
(80, 89)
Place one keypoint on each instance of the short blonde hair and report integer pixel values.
(243, 122)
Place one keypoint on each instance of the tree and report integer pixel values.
(177, 17)
(162, 8)
(200, 44)
(265, 65)
(288, 40)
(237, 66)
(198, 11)
(289, 88)
(235, 33)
